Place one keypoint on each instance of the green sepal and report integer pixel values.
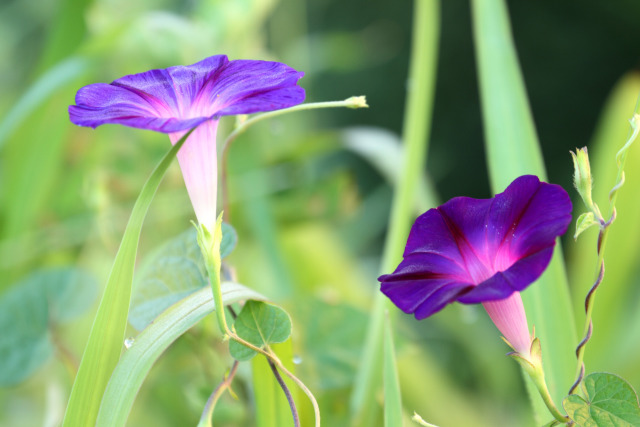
(582, 175)
(584, 222)
(532, 365)
(170, 273)
(210, 247)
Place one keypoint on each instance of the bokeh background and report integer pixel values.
(310, 193)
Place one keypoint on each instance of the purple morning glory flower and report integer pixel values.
(176, 99)
(482, 251)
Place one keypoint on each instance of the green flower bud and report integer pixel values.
(582, 175)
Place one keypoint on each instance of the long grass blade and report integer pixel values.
(136, 362)
(512, 150)
(419, 105)
(107, 333)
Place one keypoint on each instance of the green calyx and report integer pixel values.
(582, 175)
(532, 365)
(210, 247)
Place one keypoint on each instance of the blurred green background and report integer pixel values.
(310, 192)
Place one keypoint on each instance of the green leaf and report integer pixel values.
(610, 402)
(584, 222)
(172, 272)
(260, 324)
(512, 150)
(137, 360)
(107, 333)
(392, 396)
(30, 309)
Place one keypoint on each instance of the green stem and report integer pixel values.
(621, 158)
(287, 393)
(207, 413)
(532, 365)
(210, 247)
(272, 357)
(420, 95)
(541, 385)
(353, 102)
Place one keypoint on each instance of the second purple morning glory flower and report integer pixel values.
(482, 251)
(176, 99)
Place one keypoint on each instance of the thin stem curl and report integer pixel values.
(621, 158)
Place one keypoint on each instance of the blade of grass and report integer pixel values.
(136, 362)
(392, 397)
(513, 150)
(419, 104)
(107, 333)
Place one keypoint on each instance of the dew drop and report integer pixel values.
(297, 359)
(128, 342)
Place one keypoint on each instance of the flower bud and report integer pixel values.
(582, 175)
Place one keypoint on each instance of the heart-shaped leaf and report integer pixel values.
(172, 272)
(29, 310)
(610, 402)
(260, 324)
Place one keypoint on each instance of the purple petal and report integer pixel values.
(474, 250)
(179, 98)
(246, 86)
(526, 218)
(422, 297)
(102, 103)
(516, 278)
(425, 283)
(431, 234)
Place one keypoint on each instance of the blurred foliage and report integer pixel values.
(308, 203)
